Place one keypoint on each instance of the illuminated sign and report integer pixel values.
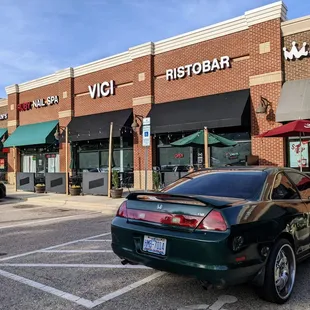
(38, 103)
(104, 89)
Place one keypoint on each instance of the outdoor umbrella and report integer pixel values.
(292, 129)
(197, 139)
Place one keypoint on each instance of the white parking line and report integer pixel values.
(57, 219)
(48, 289)
(52, 247)
(75, 251)
(98, 240)
(76, 266)
(80, 301)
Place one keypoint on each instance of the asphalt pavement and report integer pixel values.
(53, 257)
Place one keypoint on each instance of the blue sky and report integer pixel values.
(39, 37)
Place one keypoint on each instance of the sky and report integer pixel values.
(39, 37)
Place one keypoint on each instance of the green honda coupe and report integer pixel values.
(224, 227)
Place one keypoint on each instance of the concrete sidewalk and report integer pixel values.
(88, 202)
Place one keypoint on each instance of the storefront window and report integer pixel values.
(298, 154)
(174, 158)
(89, 160)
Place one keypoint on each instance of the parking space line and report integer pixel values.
(57, 219)
(48, 289)
(76, 299)
(98, 240)
(51, 247)
(76, 266)
(75, 251)
(127, 288)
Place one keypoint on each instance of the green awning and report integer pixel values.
(197, 139)
(2, 131)
(33, 134)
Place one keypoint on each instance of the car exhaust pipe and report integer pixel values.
(124, 262)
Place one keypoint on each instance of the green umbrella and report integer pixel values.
(197, 139)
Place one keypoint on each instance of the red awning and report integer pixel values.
(292, 129)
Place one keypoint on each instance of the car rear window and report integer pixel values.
(246, 185)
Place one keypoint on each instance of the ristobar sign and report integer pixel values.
(198, 68)
(296, 53)
(101, 90)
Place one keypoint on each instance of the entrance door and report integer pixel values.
(52, 163)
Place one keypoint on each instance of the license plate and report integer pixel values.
(154, 245)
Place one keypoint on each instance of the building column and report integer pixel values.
(265, 81)
(66, 112)
(13, 122)
(143, 98)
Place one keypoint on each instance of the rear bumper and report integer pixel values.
(205, 257)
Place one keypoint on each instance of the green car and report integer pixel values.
(224, 227)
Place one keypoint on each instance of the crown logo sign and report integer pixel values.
(295, 52)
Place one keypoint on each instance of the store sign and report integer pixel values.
(198, 68)
(104, 89)
(178, 155)
(296, 53)
(299, 154)
(38, 103)
(3, 116)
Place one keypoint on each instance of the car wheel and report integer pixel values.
(280, 273)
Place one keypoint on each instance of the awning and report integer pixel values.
(97, 126)
(294, 101)
(33, 134)
(2, 132)
(216, 111)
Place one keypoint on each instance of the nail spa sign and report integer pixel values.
(38, 103)
(3, 117)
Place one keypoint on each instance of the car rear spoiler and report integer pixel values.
(173, 198)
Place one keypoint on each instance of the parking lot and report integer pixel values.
(66, 262)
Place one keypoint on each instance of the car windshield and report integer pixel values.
(246, 185)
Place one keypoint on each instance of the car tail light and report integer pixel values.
(165, 218)
(213, 221)
(122, 210)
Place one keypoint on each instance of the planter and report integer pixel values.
(40, 189)
(75, 191)
(117, 193)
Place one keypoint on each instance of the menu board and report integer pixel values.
(299, 154)
(2, 163)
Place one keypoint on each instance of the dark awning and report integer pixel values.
(294, 101)
(97, 126)
(216, 111)
(32, 134)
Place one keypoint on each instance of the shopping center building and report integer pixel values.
(228, 77)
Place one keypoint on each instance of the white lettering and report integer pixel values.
(169, 74)
(56, 99)
(38, 103)
(92, 91)
(112, 86)
(175, 73)
(197, 67)
(188, 67)
(215, 64)
(3, 116)
(206, 66)
(225, 63)
(105, 92)
(181, 72)
(102, 90)
(52, 100)
(98, 90)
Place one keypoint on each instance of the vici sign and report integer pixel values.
(38, 103)
(198, 68)
(103, 89)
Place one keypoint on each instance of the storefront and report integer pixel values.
(294, 101)
(3, 136)
(214, 77)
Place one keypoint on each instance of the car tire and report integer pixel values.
(280, 273)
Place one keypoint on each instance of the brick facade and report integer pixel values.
(255, 52)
